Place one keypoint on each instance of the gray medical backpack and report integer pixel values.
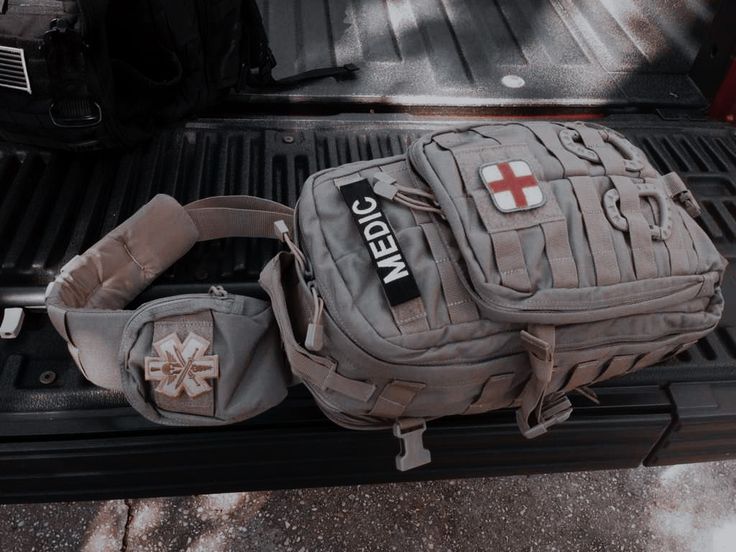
(497, 265)
(494, 266)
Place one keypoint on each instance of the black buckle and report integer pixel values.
(75, 113)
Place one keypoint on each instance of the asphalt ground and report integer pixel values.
(688, 508)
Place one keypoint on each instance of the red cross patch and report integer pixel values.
(513, 186)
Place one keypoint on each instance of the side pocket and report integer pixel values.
(319, 371)
(202, 360)
(509, 194)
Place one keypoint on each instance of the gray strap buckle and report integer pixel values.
(412, 453)
(555, 409)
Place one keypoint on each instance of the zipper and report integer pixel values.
(180, 299)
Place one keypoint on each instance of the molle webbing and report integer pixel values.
(460, 305)
(598, 231)
(510, 260)
(394, 399)
(642, 249)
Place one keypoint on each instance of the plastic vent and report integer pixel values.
(13, 72)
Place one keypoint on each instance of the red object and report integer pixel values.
(724, 104)
(513, 183)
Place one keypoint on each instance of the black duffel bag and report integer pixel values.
(88, 74)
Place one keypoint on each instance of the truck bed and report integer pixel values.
(492, 53)
(68, 439)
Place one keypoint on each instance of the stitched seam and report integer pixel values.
(511, 271)
(389, 401)
(132, 258)
(178, 324)
(411, 319)
(456, 303)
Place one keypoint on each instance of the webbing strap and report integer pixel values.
(510, 260)
(639, 232)
(321, 371)
(410, 316)
(317, 370)
(598, 230)
(394, 399)
(496, 393)
(559, 254)
(677, 248)
(572, 165)
(460, 305)
(539, 342)
(241, 202)
(618, 366)
(693, 230)
(583, 373)
(612, 161)
(241, 216)
(653, 357)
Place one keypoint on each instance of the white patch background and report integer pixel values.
(505, 200)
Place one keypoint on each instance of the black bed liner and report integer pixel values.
(69, 439)
(442, 53)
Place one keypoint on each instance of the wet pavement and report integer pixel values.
(688, 508)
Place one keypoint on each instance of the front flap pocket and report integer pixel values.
(507, 187)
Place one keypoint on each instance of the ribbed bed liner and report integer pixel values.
(492, 52)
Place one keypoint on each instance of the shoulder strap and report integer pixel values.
(123, 263)
(237, 216)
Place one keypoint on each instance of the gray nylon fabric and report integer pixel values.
(610, 300)
(253, 377)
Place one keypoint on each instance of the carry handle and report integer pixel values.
(580, 139)
(658, 232)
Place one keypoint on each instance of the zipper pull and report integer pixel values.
(218, 292)
(314, 341)
(384, 185)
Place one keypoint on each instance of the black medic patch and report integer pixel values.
(396, 277)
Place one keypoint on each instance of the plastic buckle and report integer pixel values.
(281, 229)
(412, 453)
(687, 200)
(556, 408)
(64, 269)
(314, 340)
(12, 322)
(384, 185)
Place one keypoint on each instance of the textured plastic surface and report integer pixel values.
(499, 53)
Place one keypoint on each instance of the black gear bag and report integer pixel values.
(89, 74)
